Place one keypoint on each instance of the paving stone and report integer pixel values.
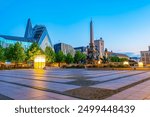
(25, 93)
(134, 92)
(124, 74)
(103, 73)
(19, 77)
(116, 84)
(43, 84)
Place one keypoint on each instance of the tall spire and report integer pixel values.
(28, 32)
(92, 54)
(91, 33)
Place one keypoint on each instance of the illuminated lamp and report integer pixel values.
(140, 64)
(99, 62)
(125, 63)
(39, 62)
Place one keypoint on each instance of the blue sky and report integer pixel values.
(123, 24)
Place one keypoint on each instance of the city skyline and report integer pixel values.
(124, 25)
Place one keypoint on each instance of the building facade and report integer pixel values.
(99, 44)
(145, 57)
(81, 49)
(5, 41)
(38, 34)
(65, 48)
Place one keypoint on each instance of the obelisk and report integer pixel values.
(91, 34)
(92, 56)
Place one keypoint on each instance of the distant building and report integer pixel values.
(65, 48)
(119, 55)
(38, 34)
(145, 56)
(99, 44)
(81, 49)
(136, 59)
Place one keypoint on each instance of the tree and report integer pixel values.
(2, 56)
(123, 59)
(117, 59)
(18, 53)
(60, 57)
(50, 55)
(83, 60)
(9, 53)
(79, 57)
(114, 59)
(32, 51)
(69, 58)
(15, 53)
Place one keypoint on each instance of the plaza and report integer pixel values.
(74, 84)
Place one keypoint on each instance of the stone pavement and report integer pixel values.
(52, 83)
(138, 92)
(24, 93)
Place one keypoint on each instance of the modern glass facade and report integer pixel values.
(5, 42)
(38, 34)
(41, 36)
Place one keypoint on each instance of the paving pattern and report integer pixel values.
(141, 91)
(52, 83)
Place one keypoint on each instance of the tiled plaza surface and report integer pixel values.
(51, 84)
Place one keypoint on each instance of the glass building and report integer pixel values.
(38, 34)
(5, 41)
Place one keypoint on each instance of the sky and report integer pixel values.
(124, 25)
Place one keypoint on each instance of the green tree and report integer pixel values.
(79, 57)
(9, 53)
(114, 59)
(50, 55)
(32, 51)
(69, 59)
(123, 59)
(15, 53)
(18, 53)
(2, 52)
(83, 59)
(60, 57)
(117, 59)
